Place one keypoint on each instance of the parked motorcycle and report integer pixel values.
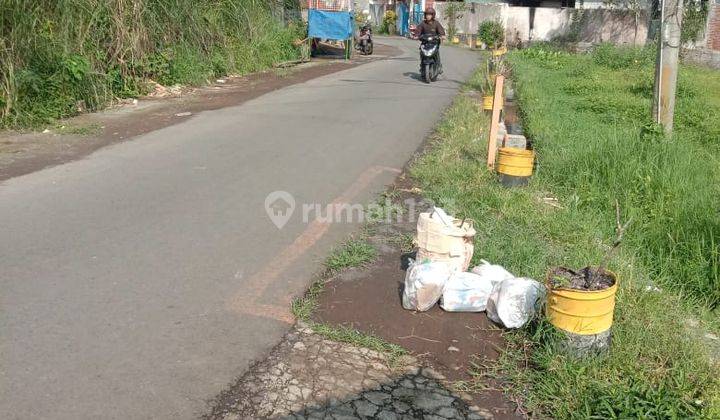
(364, 42)
(429, 57)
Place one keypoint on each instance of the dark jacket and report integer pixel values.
(431, 28)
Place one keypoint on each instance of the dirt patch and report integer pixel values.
(369, 300)
(588, 279)
(25, 152)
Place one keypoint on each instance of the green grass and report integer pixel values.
(355, 252)
(55, 54)
(349, 335)
(79, 130)
(587, 123)
(404, 241)
(590, 118)
(303, 307)
(384, 209)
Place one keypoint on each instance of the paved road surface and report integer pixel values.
(138, 282)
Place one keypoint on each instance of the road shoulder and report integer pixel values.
(74, 138)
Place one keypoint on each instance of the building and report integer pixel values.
(706, 50)
(547, 20)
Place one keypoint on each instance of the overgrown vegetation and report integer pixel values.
(58, 56)
(695, 16)
(613, 151)
(586, 116)
(491, 33)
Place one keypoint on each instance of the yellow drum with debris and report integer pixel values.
(515, 162)
(582, 312)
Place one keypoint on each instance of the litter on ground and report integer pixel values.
(445, 249)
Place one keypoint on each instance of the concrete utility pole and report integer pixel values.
(666, 67)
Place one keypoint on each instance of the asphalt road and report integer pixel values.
(138, 282)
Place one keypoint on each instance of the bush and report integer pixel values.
(491, 33)
(55, 54)
(389, 21)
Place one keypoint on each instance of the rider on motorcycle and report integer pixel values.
(430, 26)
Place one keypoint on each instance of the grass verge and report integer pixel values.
(587, 159)
(355, 252)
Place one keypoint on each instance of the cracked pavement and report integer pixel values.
(309, 377)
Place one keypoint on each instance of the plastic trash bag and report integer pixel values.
(424, 284)
(492, 272)
(514, 302)
(466, 292)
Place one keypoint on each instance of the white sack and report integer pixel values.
(492, 272)
(424, 283)
(514, 302)
(442, 238)
(466, 292)
(443, 216)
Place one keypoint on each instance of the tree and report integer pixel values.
(454, 11)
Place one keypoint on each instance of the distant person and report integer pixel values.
(430, 26)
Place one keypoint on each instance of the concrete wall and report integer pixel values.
(523, 24)
(703, 56)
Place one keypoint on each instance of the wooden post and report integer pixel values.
(495, 121)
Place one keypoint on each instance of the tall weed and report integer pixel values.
(657, 366)
(58, 56)
(589, 130)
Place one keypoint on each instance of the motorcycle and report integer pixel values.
(429, 50)
(364, 42)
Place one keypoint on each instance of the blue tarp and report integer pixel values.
(330, 25)
(417, 13)
(403, 22)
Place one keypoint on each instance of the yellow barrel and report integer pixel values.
(582, 312)
(487, 102)
(499, 51)
(456, 40)
(515, 162)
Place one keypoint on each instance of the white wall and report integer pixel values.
(548, 23)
